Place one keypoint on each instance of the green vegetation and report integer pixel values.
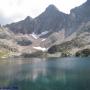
(7, 51)
(4, 54)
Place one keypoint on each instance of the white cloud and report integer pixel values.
(19, 9)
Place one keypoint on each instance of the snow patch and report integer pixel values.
(35, 36)
(40, 48)
(43, 33)
(43, 39)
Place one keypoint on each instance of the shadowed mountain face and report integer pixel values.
(82, 12)
(24, 26)
(52, 20)
(78, 17)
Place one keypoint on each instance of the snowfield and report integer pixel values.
(40, 48)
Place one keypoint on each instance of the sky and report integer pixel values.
(16, 10)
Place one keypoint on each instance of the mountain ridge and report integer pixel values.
(51, 20)
(66, 32)
(51, 13)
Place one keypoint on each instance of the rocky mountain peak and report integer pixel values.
(52, 20)
(51, 7)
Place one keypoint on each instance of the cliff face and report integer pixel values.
(25, 26)
(51, 20)
(78, 17)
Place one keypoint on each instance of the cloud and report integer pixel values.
(4, 20)
(15, 10)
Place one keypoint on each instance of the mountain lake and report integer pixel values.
(45, 74)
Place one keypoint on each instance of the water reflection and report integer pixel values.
(64, 73)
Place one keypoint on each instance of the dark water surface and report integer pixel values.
(45, 74)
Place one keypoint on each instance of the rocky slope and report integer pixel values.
(8, 46)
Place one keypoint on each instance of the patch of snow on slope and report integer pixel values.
(35, 36)
(43, 39)
(43, 33)
(40, 48)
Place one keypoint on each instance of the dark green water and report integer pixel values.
(45, 74)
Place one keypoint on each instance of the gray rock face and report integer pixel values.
(77, 18)
(52, 20)
(24, 26)
(81, 13)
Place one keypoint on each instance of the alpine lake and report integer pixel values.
(45, 73)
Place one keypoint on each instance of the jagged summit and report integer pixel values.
(50, 20)
(51, 7)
